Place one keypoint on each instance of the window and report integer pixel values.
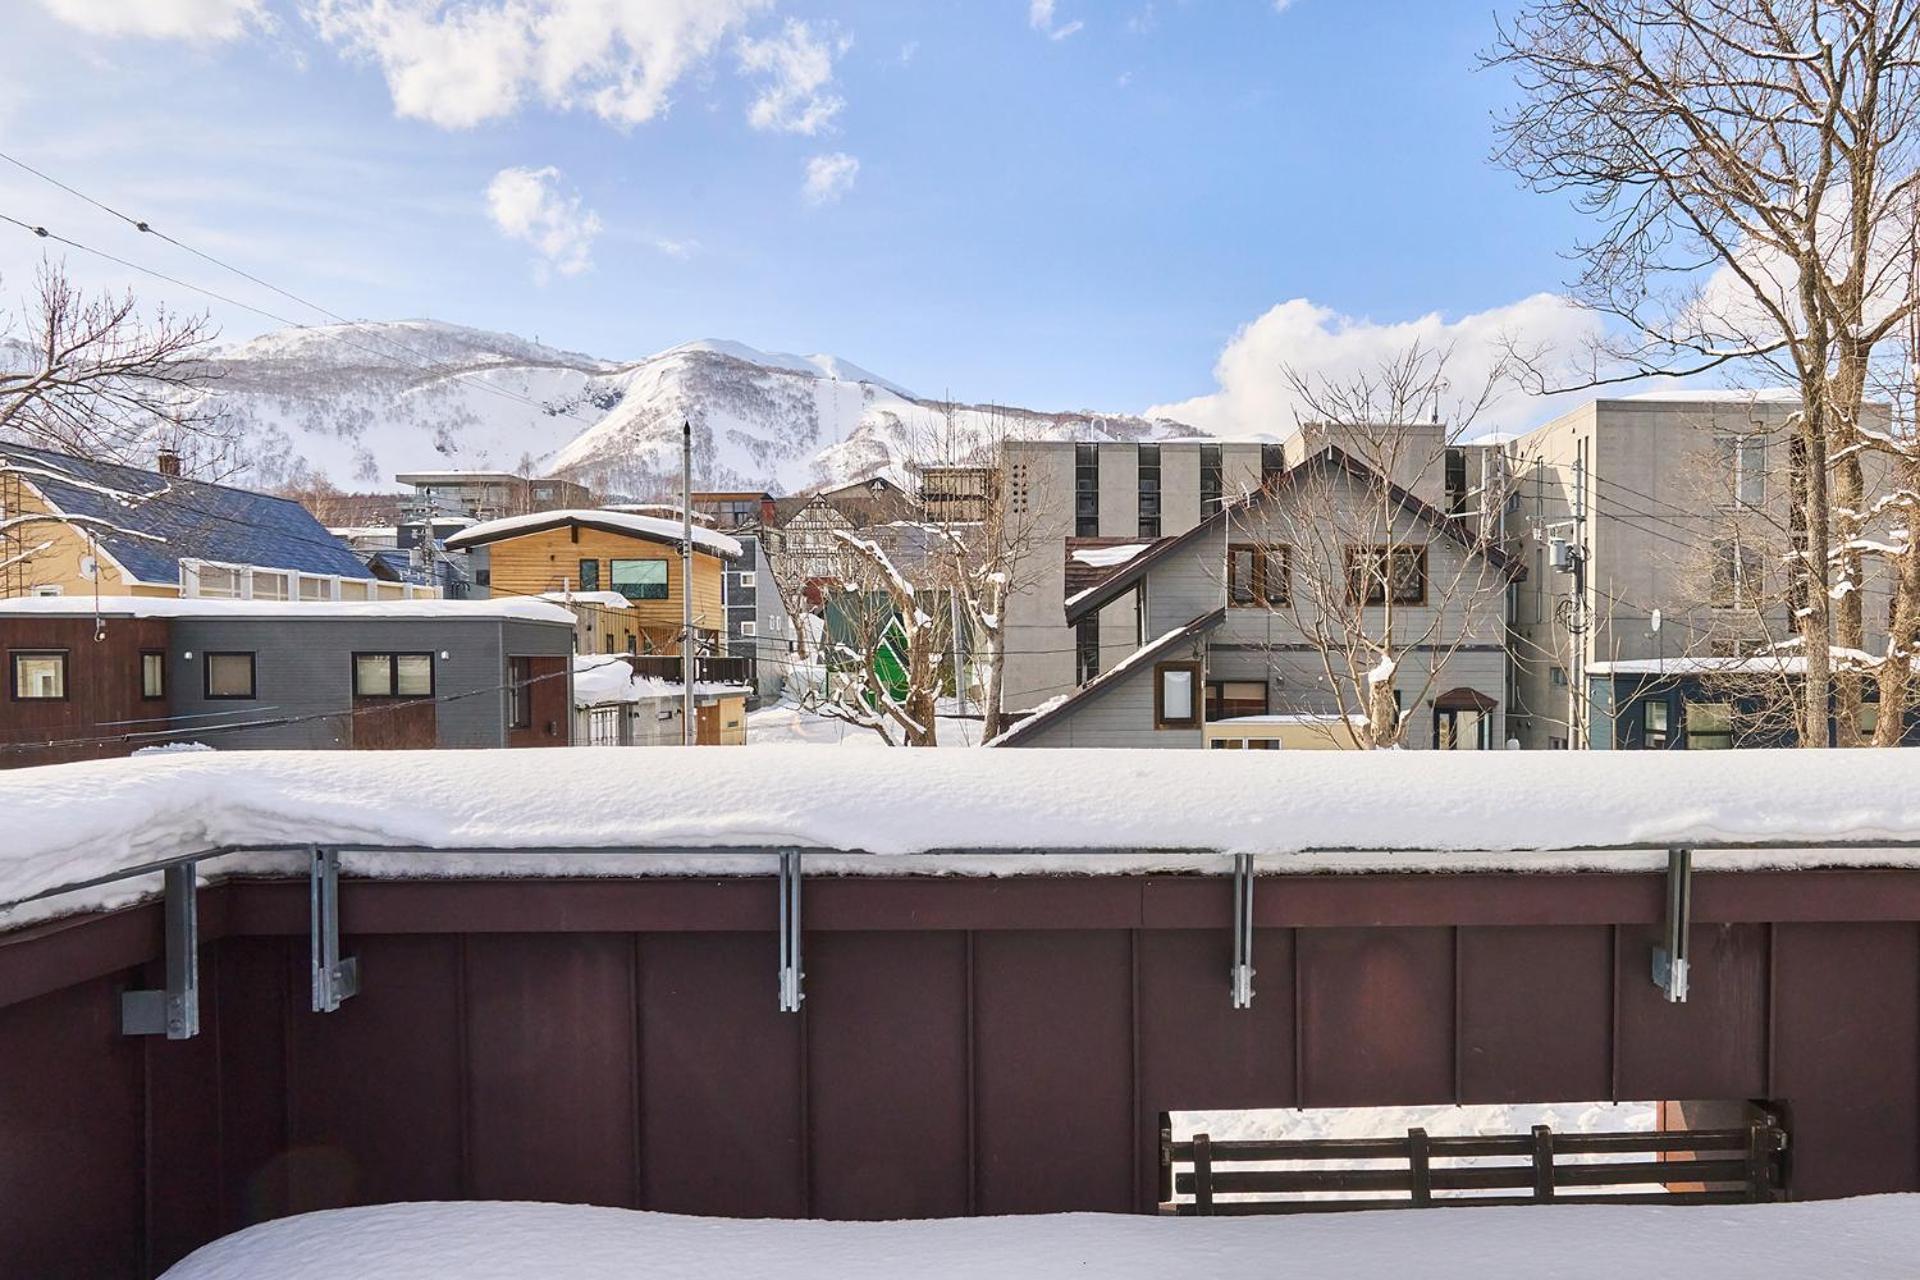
(1149, 490)
(354, 590)
(229, 675)
(1176, 700)
(40, 676)
(1709, 726)
(1273, 464)
(1456, 481)
(315, 588)
(1086, 490)
(1370, 571)
(1559, 676)
(640, 579)
(748, 581)
(1210, 479)
(1257, 575)
(519, 696)
(269, 586)
(1086, 649)
(153, 673)
(392, 676)
(1736, 574)
(219, 583)
(1229, 698)
(748, 629)
(589, 575)
(1654, 722)
(1744, 462)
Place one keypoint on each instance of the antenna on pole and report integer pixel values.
(686, 583)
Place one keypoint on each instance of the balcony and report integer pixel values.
(707, 668)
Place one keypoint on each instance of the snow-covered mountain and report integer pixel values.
(356, 404)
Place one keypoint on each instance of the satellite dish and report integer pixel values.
(1653, 621)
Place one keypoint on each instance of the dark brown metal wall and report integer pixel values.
(967, 1046)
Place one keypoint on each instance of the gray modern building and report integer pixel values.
(1224, 626)
(279, 675)
(1654, 529)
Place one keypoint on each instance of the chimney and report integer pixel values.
(168, 463)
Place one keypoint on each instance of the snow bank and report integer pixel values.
(73, 822)
(651, 527)
(1862, 1239)
(599, 679)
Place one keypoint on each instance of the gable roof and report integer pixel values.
(875, 500)
(1048, 712)
(632, 524)
(195, 520)
(1105, 592)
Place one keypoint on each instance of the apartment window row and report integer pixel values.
(1743, 460)
(1212, 478)
(1259, 575)
(1149, 490)
(1708, 725)
(1273, 464)
(1382, 575)
(1086, 490)
(1737, 575)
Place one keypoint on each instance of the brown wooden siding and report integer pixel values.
(548, 696)
(967, 1046)
(103, 689)
(550, 559)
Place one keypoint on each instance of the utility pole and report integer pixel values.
(687, 736)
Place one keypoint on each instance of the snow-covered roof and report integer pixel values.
(600, 679)
(652, 528)
(519, 609)
(71, 823)
(1292, 718)
(1769, 664)
(1107, 557)
(593, 599)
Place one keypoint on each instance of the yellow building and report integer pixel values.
(124, 531)
(590, 553)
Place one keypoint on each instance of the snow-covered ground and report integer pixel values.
(788, 724)
(1871, 1238)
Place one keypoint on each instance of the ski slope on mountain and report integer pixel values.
(356, 404)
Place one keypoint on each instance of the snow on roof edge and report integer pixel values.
(652, 527)
(77, 822)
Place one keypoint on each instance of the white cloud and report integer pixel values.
(798, 66)
(829, 177)
(459, 65)
(161, 19)
(1040, 18)
(529, 205)
(1255, 396)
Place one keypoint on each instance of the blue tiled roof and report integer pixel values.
(197, 520)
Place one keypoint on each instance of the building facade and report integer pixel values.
(86, 681)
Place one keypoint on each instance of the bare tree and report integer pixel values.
(1340, 547)
(891, 635)
(1751, 166)
(982, 545)
(88, 376)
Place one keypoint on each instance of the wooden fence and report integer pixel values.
(1685, 1166)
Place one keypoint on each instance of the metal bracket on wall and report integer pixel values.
(1242, 931)
(790, 974)
(1670, 957)
(334, 979)
(175, 1011)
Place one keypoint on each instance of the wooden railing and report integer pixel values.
(1683, 1166)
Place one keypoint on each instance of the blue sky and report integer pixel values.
(1045, 213)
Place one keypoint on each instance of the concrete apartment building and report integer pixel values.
(1680, 505)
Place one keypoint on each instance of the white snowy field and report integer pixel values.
(1869, 1238)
